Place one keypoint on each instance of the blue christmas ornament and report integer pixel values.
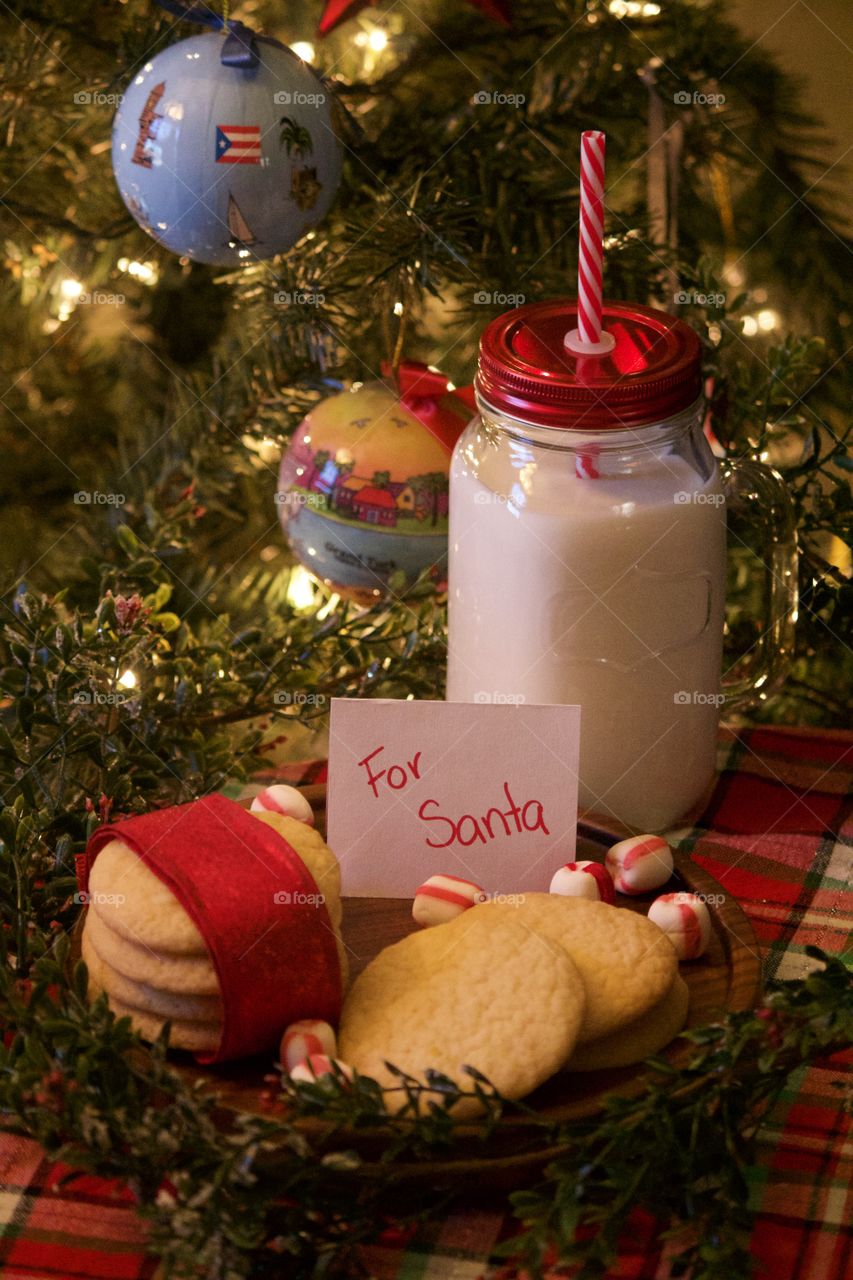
(224, 148)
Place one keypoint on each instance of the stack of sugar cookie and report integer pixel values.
(144, 951)
(225, 924)
(518, 989)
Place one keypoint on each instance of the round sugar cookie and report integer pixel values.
(317, 856)
(639, 1039)
(191, 975)
(127, 896)
(621, 956)
(140, 995)
(481, 991)
(197, 1037)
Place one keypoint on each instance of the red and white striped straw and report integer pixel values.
(591, 246)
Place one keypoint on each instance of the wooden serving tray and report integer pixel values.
(726, 979)
(512, 1153)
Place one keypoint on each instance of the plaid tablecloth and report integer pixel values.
(778, 833)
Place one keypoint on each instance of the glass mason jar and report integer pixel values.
(587, 552)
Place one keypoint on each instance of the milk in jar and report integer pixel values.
(587, 552)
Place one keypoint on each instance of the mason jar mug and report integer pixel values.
(587, 557)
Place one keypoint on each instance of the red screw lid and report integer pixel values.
(526, 372)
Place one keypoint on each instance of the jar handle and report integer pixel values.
(758, 503)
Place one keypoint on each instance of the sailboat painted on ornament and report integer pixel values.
(242, 236)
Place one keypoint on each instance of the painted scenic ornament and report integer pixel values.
(226, 161)
(363, 488)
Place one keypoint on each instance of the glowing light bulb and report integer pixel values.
(304, 50)
(145, 272)
(300, 589)
(767, 320)
(750, 326)
(70, 289)
(127, 679)
(378, 39)
(398, 308)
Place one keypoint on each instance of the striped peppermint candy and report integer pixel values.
(586, 463)
(584, 880)
(685, 920)
(442, 898)
(640, 863)
(318, 1066)
(591, 245)
(287, 801)
(305, 1039)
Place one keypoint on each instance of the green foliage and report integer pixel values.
(197, 379)
(174, 401)
(265, 1193)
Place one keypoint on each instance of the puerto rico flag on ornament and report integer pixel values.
(238, 144)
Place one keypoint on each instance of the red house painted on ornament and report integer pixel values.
(375, 506)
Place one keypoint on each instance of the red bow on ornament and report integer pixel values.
(338, 11)
(443, 409)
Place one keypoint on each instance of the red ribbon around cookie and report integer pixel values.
(256, 906)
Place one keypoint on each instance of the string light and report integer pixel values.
(633, 9)
(300, 589)
(765, 321)
(144, 272)
(127, 679)
(374, 41)
(70, 292)
(398, 308)
(304, 50)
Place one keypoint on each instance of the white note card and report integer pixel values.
(487, 792)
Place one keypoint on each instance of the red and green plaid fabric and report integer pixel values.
(778, 834)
